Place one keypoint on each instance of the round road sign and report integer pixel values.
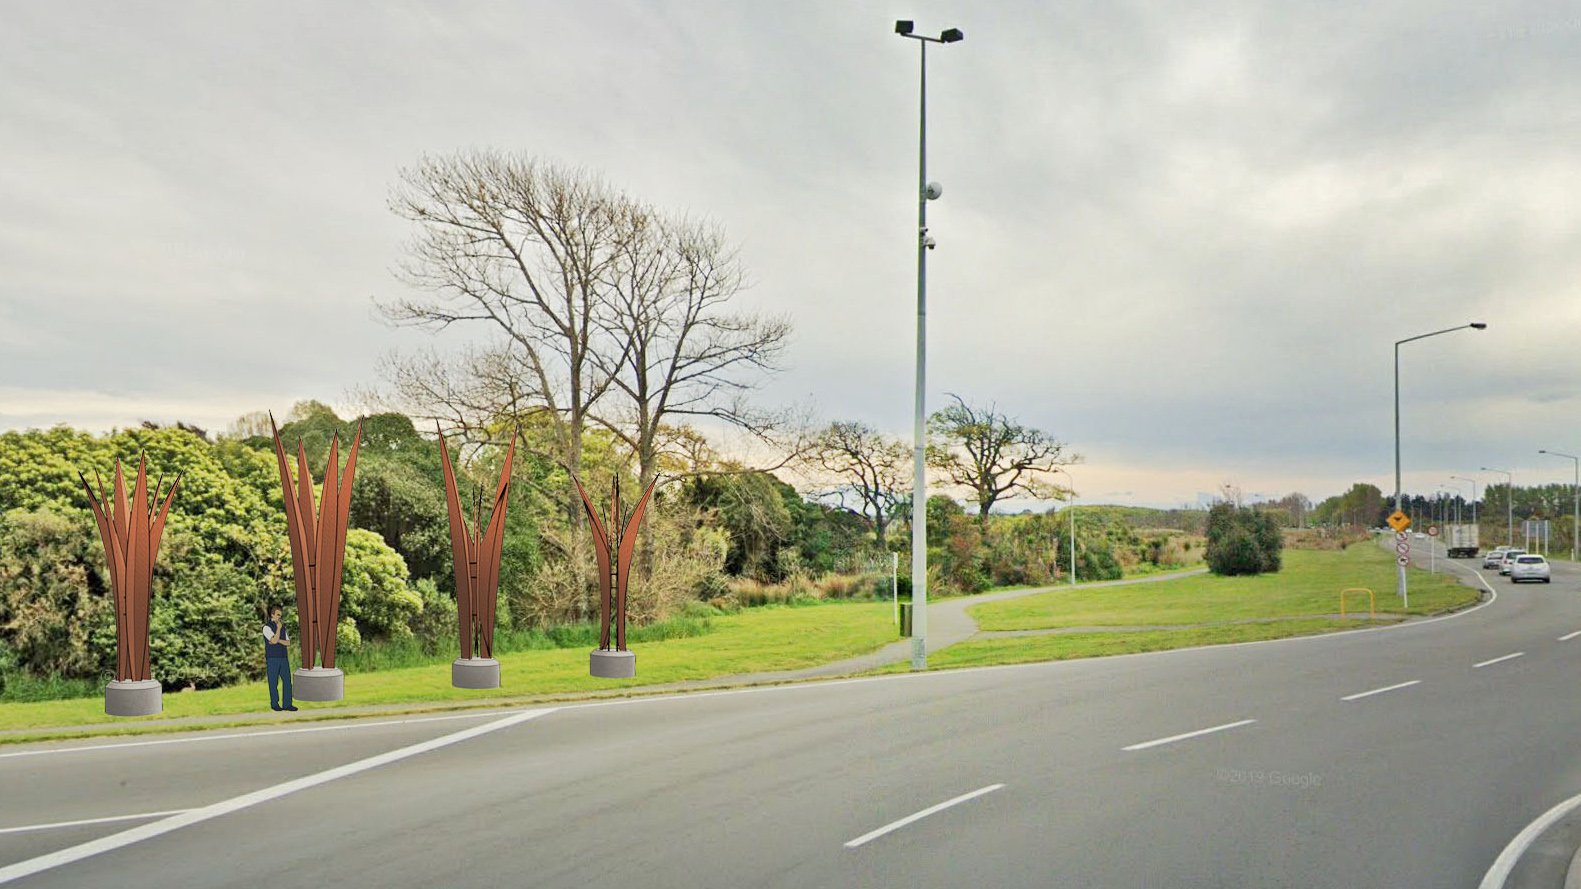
(1401, 535)
(1404, 561)
(1432, 530)
(1402, 548)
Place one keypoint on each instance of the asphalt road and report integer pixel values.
(1418, 786)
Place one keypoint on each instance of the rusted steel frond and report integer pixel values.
(601, 552)
(318, 543)
(130, 529)
(614, 568)
(475, 555)
(628, 546)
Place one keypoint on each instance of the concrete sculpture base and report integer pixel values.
(613, 664)
(475, 672)
(318, 684)
(134, 698)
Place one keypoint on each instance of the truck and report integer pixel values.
(1461, 541)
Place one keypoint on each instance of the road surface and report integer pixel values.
(1401, 757)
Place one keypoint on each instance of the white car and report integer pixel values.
(1492, 560)
(1510, 555)
(1530, 566)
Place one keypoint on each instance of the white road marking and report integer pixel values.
(1379, 691)
(225, 807)
(234, 735)
(896, 825)
(51, 826)
(1201, 731)
(1568, 636)
(1505, 863)
(1498, 659)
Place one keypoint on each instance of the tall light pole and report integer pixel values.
(1475, 325)
(1575, 490)
(926, 191)
(1072, 509)
(1509, 501)
(1473, 499)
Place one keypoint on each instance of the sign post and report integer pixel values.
(1399, 521)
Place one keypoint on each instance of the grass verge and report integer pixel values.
(760, 640)
(1309, 585)
(1065, 646)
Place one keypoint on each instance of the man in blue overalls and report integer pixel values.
(279, 660)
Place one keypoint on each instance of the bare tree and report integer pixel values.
(872, 466)
(677, 351)
(522, 248)
(992, 455)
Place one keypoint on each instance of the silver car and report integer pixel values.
(1510, 555)
(1492, 560)
(1530, 567)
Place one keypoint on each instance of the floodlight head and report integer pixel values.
(1479, 325)
(903, 27)
(933, 191)
(953, 35)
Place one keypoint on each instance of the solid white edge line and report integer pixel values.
(1379, 691)
(1505, 863)
(225, 807)
(1498, 659)
(825, 683)
(269, 734)
(918, 816)
(1568, 636)
(1201, 731)
(57, 824)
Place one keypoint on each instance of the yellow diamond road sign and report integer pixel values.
(1399, 521)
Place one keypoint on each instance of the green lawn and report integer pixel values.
(757, 640)
(1025, 649)
(1309, 584)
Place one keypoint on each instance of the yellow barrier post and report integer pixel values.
(1372, 601)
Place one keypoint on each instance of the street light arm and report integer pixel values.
(1475, 325)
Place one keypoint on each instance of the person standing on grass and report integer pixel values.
(278, 659)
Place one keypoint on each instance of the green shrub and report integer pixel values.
(1242, 541)
(436, 622)
(374, 590)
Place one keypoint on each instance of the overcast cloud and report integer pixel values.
(1181, 237)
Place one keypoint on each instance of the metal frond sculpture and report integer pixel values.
(318, 553)
(476, 556)
(130, 528)
(614, 545)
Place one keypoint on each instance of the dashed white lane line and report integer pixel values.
(57, 824)
(1568, 636)
(1378, 691)
(1198, 733)
(195, 816)
(1499, 659)
(918, 816)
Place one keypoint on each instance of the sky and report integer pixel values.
(1182, 238)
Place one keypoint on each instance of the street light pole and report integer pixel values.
(1509, 502)
(919, 489)
(1575, 490)
(1072, 509)
(1473, 500)
(1475, 325)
